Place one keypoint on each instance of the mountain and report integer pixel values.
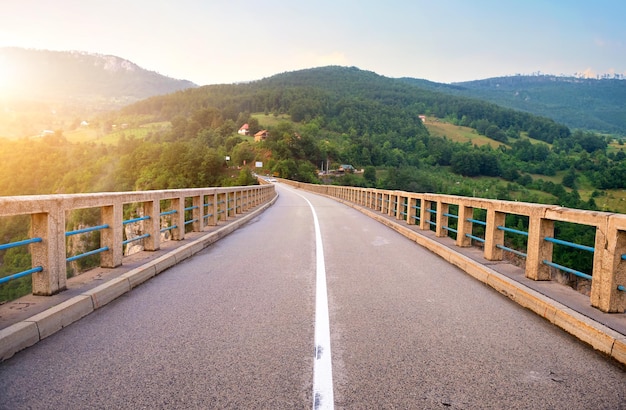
(580, 103)
(72, 75)
(356, 101)
(55, 90)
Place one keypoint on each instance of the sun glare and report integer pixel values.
(6, 76)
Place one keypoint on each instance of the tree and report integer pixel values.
(569, 179)
(370, 175)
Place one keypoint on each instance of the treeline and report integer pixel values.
(333, 116)
(52, 165)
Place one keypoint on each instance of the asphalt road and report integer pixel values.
(233, 327)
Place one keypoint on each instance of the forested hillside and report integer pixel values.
(580, 103)
(319, 117)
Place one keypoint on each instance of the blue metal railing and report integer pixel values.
(568, 270)
(19, 243)
(405, 207)
(514, 231)
(136, 238)
(165, 213)
(16, 244)
(448, 228)
(432, 212)
(20, 274)
(571, 245)
(474, 237)
(86, 230)
(130, 221)
(191, 208)
(418, 210)
(476, 221)
(84, 255)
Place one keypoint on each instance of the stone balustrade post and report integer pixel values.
(222, 214)
(197, 214)
(401, 210)
(493, 235)
(610, 271)
(178, 219)
(231, 207)
(425, 214)
(49, 253)
(152, 226)
(113, 236)
(392, 208)
(411, 210)
(464, 226)
(539, 250)
(442, 219)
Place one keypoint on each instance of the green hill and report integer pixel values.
(587, 104)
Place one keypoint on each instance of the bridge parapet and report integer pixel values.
(173, 211)
(454, 216)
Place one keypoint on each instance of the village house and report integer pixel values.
(260, 136)
(244, 130)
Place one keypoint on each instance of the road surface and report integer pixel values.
(235, 327)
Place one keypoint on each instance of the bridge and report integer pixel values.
(318, 297)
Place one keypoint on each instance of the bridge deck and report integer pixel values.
(232, 327)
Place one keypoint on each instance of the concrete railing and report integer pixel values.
(431, 211)
(186, 210)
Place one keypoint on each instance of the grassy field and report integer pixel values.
(457, 133)
(270, 120)
(94, 135)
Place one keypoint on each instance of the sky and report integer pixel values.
(229, 41)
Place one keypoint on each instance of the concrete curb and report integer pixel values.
(30, 331)
(598, 336)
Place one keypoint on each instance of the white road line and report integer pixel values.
(322, 369)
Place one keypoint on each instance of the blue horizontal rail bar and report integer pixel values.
(191, 208)
(20, 274)
(518, 253)
(476, 238)
(173, 211)
(130, 221)
(432, 211)
(191, 221)
(621, 288)
(432, 223)
(451, 215)
(505, 229)
(169, 228)
(624, 256)
(84, 255)
(86, 230)
(19, 243)
(566, 269)
(476, 221)
(570, 244)
(136, 238)
(207, 216)
(450, 229)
